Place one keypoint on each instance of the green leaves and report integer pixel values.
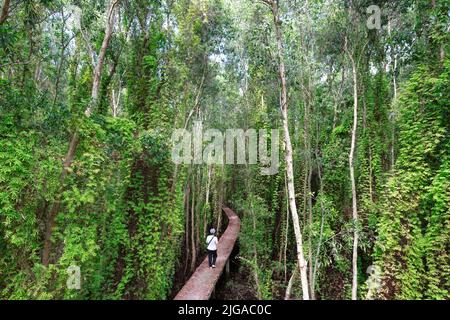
(413, 229)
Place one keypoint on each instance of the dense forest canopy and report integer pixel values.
(91, 92)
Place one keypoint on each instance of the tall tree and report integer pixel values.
(274, 5)
(109, 27)
(351, 163)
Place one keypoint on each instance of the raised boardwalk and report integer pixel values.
(201, 284)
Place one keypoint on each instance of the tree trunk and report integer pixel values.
(186, 123)
(206, 206)
(287, 295)
(394, 115)
(4, 13)
(75, 138)
(220, 199)
(255, 257)
(198, 207)
(308, 197)
(56, 205)
(394, 80)
(322, 222)
(193, 249)
(288, 154)
(287, 228)
(187, 202)
(101, 57)
(62, 57)
(353, 183)
(441, 53)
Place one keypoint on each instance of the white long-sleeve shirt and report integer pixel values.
(213, 241)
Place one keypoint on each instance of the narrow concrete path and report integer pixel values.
(202, 283)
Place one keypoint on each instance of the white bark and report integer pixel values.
(287, 295)
(394, 115)
(287, 229)
(101, 57)
(116, 102)
(353, 183)
(206, 206)
(322, 222)
(288, 155)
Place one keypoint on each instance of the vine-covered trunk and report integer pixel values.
(75, 137)
(288, 154)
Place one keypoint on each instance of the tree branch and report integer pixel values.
(101, 57)
(5, 10)
(267, 2)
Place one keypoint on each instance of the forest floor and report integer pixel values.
(237, 285)
(235, 288)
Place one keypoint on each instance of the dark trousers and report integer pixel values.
(212, 256)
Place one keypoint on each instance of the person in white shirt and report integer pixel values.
(212, 242)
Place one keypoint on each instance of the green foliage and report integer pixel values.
(255, 248)
(413, 227)
(127, 213)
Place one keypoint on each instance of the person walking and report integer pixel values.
(212, 242)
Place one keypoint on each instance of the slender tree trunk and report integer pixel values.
(441, 53)
(56, 205)
(394, 115)
(310, 222)
(255, 256)
(337, 99)
(220, 199)
(322, 222)
(116, 102)
(198, 207)
(37, 71)
(249, 188)
(394, 80)
(287, 228)
(75, 137)
(305, 193)
(205, 219)
(101, 57)
(308, 197)
(288, 154)
(287, 295)
(308, 134)
(62, 57)
(395, 76)
(4, 13)
(371, 186)
(187, 202)
(193, 249)
(353, 183)
(186, 123)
